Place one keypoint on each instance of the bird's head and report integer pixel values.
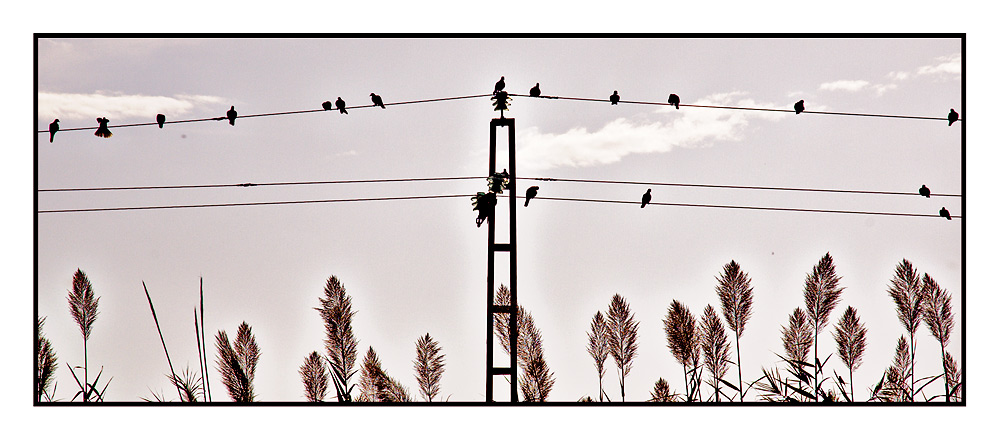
(372, 94)
(616, 92)
(501, 77)
(56, 120)
(232, 107)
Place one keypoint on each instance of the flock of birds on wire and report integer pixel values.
(534, 92)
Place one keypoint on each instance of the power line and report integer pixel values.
(249, 184)
(259, 115)
(425, 179)
(765, 208)
(699, 185)
(217, 205)
(874, 115)
(370, 199)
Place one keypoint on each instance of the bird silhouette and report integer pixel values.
(102, 130)
(800, 106)
(160, 119)
(646, 198)
(944, 213)
(530, 194)
(341, 105)
(535, 91)
(377, 100)
(327, 105)
(53, 128)
(499, 86)
(674, 100)
(615, 98)
(925, 191)
(952, 117)
(231, 114)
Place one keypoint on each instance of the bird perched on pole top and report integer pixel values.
(952, 117)
(341, 105)
(160, 119)
(53, 128)
(646, 198)
(800, 106)
(925, 191)
(535, 91)
(327, 105)
(944, 213)
(377, 100)
(499, 86)
(674, 100)
(530, 194)
(231, 115)
(102, 130)
(615, 98)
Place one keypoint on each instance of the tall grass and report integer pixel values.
(376, 385)
(598, 348)
(538, 380)
(906, 291)
(238, 362)
(661, 392)
(736, 297)
(83, 308)
(850, 336)
(46, 363)
(428, 366)
(940, 321)
(314, 380)
(821, 293)
(623, 337)
(682, 337)
(341, 345)
(715, 346)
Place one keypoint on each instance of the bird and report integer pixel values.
(102, 130)
(535, 91)
(674, 100)
(499, 86)
(377, 100)
(160, 119)
(530, 194)
(341, 105)
(615, 98)
(925, 191)
(952, 117)
(231, 114)
(53, 128)
(647, 197)
(327, 105)
(800, 106)
(944, 213)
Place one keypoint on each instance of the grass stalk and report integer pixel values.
(173, 376)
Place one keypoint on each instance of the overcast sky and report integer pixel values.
(416, 267)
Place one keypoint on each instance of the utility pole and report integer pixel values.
(510, 311)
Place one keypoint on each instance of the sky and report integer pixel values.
(415, 267)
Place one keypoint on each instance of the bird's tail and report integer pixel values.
(950, 122)
(526, 202)
(343, 111)
(51, 136)
(232, 122)
(161, 125)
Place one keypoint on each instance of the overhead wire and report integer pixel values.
(370, 199)
(250, 184)
(622, 101)
(569, 98)
(258, 115)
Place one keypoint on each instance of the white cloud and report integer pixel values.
(689, 128)
(898, 76)
(69, 106)
(847, 85)
(946, 65)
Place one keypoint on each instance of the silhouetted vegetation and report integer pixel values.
(623, 337)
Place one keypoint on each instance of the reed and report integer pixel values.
(821, 293)
(598, 348)
(428, 366)
(850, 336)
(736, 298)
(623, 337)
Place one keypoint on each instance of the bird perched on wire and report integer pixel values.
(925, 191)
(944, 213)
(102, 130)
(800, 106)
(160, 119)
(952, 117)
(535, 91)
(499, 86)
(674, 100)
(646, 198)
(231, 115)
(341, 105)
(530, 194)
(53, 128)
(327, 105)
(615, 98)
(377, 100)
